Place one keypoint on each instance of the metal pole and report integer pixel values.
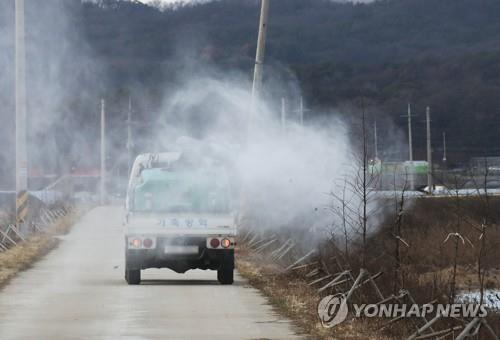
(259, 58)
(422, 329)
(429, 150)
(410, 141)
(301, 111)
(130, 143)
(376, 139)
(444, 146)
(21, 136)
(283, 114)
(410, 150)
(103, 152)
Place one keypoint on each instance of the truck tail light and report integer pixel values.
(141, 242)
(226, 243)
(214, 243)
(136, 243)
(147, 243)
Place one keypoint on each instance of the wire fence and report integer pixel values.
(334, 276)
(46, 206)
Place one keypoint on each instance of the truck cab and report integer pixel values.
(178, 216)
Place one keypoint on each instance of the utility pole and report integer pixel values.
(444, 146)
(130, 143)
(256, 89)
(410, 149)
(21, 135)
(301, 111)
(375, 139)
(283, 114)
(410, 140)
(429, 150)
(103, 152)
(259, 60)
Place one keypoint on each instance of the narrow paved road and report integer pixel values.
(78, 292)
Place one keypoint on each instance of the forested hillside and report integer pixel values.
(442, 53)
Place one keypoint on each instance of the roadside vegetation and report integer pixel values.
(38, 244)
(440, 253)
(292, 296)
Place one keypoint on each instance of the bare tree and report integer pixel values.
(344, 221)
(363, 187)
(484, 196)
(455, 235)
(343, 212)
(353, 206)
(399, 199)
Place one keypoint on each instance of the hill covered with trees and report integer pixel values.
(441, 53)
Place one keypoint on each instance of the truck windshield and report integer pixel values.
(165, 190)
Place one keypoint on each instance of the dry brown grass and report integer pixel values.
(466, 277)
(22, 256)
(426, 265)
(295, 299)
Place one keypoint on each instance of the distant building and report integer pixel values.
(396, 175)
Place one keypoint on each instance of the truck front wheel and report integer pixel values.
(133, 276)
(225, 274)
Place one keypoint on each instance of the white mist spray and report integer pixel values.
(286, 174)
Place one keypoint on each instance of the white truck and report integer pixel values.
(178, 216)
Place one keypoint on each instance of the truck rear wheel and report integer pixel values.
(133, 276)
(225, 274)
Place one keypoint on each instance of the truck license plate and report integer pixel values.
(181, 250)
